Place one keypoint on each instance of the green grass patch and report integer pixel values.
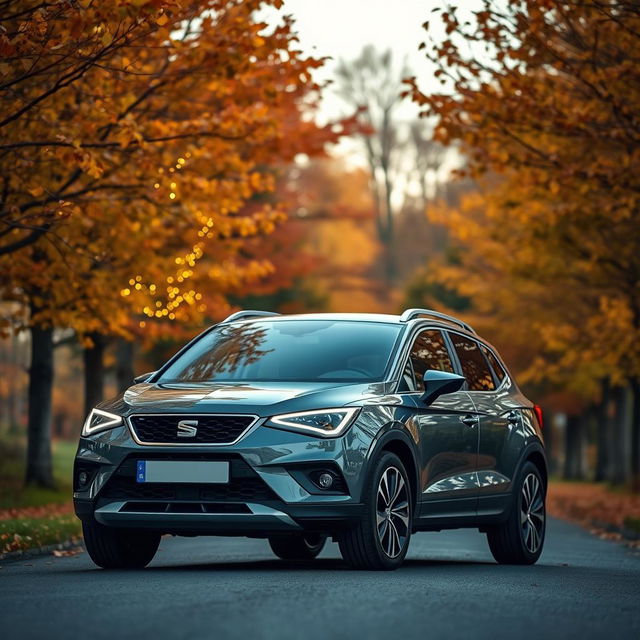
(632, 524)
(24, 533)
(13, 493)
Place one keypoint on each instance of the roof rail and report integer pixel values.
(248, 313)
(410, 314)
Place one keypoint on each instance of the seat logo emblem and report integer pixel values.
(187, 428)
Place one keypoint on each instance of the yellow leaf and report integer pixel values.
(162, 20)
(36, 192)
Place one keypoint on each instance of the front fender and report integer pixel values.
(395, 436)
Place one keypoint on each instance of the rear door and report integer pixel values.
(499, 420)
(447, 431)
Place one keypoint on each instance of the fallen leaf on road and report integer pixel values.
(605, 512)
(64, 553)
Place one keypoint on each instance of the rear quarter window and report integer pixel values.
(494, 363)
(475, 367)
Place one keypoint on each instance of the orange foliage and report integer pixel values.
(549, 251)
(133, 135)
(333, 209)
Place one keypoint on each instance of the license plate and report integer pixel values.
(201, 471)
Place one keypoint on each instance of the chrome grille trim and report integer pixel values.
(134, 435)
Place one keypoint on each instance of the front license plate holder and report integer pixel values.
(183, 471)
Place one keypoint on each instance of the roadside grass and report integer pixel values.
(13, 493)
(32, 516)
(633, 524)
(18, 534)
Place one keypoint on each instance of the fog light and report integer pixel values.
(325, 480)
(83, 478)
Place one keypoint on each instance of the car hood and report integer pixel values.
(263, 399)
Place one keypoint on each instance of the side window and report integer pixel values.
(429, 351)
(495, 364)
(474, 365)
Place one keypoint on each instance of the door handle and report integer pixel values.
(513, 417)
(469, 420)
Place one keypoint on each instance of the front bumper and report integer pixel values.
(263, 495)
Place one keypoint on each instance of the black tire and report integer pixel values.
(297, 547)
(368, 544)
(521, 538)
(112, 548)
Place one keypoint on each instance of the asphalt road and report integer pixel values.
(449, 587)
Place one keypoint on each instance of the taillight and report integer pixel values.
(538, 411)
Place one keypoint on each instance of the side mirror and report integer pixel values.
(143, 377)
(437, 383)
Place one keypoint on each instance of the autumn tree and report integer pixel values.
(372, 85)
(128, 156)
(548, 113)
(426, 156)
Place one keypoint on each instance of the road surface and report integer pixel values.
(220, 588)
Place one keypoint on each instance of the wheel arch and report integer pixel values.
(534, 453)
(538, 459)
(397, 441)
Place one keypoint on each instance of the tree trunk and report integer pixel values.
(94, 372)
(389, 238)
(602, 432)
(39, 468)
(574, 445)
(13, 384)
(124, 364)
(619, 469)
(635, 434)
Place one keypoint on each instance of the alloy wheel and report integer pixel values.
(532, 513)
(392, 512)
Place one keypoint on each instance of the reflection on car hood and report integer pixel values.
(264, 398)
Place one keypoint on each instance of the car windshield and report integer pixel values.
(288, 351)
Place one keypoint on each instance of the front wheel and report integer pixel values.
(297, 547)
(381, 539)
(521, 538)
(112, 548)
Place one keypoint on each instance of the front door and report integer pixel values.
(449, 446)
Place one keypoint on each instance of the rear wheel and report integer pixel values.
(112, 548)
(381, 539)
(521, 538)
(297, 547)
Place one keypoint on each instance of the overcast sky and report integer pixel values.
(341, 28)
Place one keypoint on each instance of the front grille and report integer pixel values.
(245, 485)
(209, 429)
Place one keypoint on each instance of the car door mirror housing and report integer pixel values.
(437, 383)
(143, 377)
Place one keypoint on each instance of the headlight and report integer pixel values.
(99, 420)
(328, 423)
